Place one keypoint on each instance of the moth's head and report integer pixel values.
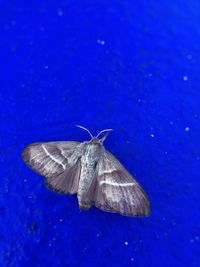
(95, 139)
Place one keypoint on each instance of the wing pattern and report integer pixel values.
(58, 162)
(117, 191)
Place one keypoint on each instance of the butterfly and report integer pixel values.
(91, 171)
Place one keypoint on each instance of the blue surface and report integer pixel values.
(129, 65)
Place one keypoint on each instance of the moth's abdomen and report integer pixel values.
(86, 183)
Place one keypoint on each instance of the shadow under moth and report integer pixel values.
(91, 171)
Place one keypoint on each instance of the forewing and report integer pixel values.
(59, 162)
(117, 191)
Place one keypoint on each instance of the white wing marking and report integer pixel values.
(116, 184)
(52, 157)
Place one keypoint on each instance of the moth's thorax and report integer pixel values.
(93, 150)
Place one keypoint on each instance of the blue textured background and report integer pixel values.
(130, 65)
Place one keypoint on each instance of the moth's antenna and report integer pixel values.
(85, 130)
(106, 135)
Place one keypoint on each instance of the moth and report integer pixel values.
(91, 171)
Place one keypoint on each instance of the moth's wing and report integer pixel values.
(117, 191)
(59, 162)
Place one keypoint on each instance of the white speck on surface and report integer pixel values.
(185, 78)
(61, 220)
(85, 249)
(139, 100)
(132, 259)
(166, 152)
(171, 122)
(150, 74)
(46, 67)
(42, 28)
(126, 243)
(60, 12)
(196, 238)
(189, 56)
(13, 22)
(101, 42)
(157, 236)
(25, 180)
(187, 129)
(152, 135)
